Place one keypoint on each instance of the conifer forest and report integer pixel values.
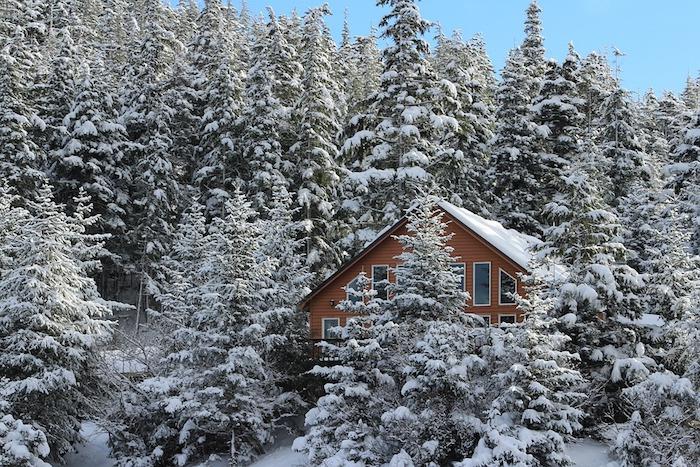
(175, 178)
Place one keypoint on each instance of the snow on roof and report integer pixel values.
(513, 244)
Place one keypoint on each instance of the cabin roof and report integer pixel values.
(510, 244)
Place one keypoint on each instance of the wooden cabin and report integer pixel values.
(489, 259)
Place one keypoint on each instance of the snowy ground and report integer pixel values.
(590, 453)
(94, 453)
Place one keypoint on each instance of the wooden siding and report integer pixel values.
(468, 248)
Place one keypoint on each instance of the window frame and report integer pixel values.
(504, 315)
(387, 279)
(323, 327)
(515, 281)
(474, 264)
(487, 318)
(464, 274)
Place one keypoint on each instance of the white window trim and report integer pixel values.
(323, 326)
(464, 268)
(474, 283)
(487, 318)
(501, 271)
(387, 274)
(502, 315)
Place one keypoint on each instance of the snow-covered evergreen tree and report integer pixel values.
(214, 389)
(397, 140)
(621, 145)
(91, 155)
(260, 144)
(49, 341)
(685, 176)
(598, 292)
(21, 159)
(514, 169)
(315, 151)
(533, 50)
(559, 119)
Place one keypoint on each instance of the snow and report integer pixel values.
(94, 452)
(511, 243)
(589, 453)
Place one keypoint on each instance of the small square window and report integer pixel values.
(328, 325)
(507, 319)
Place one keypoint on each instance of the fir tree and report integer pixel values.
(213, 389)
(49, 343)
(515, 169)
(533, 50)
(685, 176)
(597, 292)
(315, 151)
(397, 138)
(91, 155)
(621, 146)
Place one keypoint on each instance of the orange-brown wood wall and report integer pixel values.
(468, 249)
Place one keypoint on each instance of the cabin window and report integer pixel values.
(507, 319)
(328, 325)
(482, 284)
(506, 289)
(353, 294)
(487, 319)
(459, 269)
(380, 280)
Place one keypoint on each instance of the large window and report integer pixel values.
(459, 269)
(506, 288)
(328, 325)
(482, 284)
(380, 280)
(353, 292)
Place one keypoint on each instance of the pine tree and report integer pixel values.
(685, 176)
(621, 145)
(315, 151)
(91, 155)
(261, 146)
(49, 343)
(515, 167)
(214, 389)
(396, 140)
(533, 50)
(598, 292)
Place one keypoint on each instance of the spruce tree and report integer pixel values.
(396, 141)
(91, 155)
(621, 145)
(685, 176)
(213, 389)
(515, 170)
(598, 293)
(315, 151)
(50, 343)
(533, 50)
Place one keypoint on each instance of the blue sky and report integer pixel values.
(660, 38)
